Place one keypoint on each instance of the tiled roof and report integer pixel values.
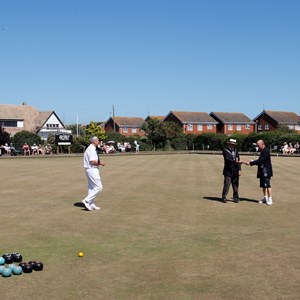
(283, 117)
(230, 117)
(43, 117)
(160, 118)
(129, 121)
(17, 112)
(193, 117)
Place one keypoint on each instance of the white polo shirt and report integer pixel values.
(90, 154)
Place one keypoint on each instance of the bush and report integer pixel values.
(22, 137)
(78, 145)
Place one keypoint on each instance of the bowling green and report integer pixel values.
(161, 233)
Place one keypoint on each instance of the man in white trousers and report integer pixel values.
(91, 163)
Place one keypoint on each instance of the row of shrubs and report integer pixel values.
(205, 141)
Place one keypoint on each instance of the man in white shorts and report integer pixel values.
(91, 163)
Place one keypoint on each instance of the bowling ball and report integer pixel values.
(27, 268)
(2, 261)
(38, 266)
(6, 272)
(17, 257)
(22, 264)
(9, 259)
(11, 266)
(17, 270)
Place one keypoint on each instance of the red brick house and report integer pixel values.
(269, 120)
(229, 123)
(192, 122)
(127, 126)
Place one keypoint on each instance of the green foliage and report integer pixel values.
(155, 133)
(22, 137)
(73, 128)
(171, 130)
(78, 145)
(210, 141)
(4, 136)
(94, 130)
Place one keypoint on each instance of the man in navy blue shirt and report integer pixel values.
(264, 171)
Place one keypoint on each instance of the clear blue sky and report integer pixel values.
(80, 57)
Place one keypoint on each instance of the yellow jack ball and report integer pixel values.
(80, 254)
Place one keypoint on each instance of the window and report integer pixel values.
(238, 127)
(9, 123)
(259, 127)
(199, 127)
(190, 127)
(209, 126)
(125, 129)
(267, 127)
(133, 130)
(230, 127)
(20, 124)
(297, 127)
(247, 126)
(291, 127)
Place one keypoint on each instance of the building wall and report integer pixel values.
(229, 129)
(109, 127)
(198, 128)
(265, 123)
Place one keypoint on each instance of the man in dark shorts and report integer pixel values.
(264, 171)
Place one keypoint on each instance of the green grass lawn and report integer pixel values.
(161, 233)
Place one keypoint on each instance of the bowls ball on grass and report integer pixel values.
(17, 270)
(17, 257)
(11, 266)
(22, 264)
(2, 261)
(6, 272)
(27, 268)
(32, 262)
(38, 266)
(9, 259)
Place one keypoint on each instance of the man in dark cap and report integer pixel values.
(231, 170)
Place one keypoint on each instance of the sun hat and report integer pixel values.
(232, 141)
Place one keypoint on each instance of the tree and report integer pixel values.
(22, 137)
(4, 136)
(155, 133)
(93, 130)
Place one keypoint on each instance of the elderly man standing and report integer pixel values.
(91, 163)
(264, 171)
(231, 170)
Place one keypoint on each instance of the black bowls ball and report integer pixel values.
(17, 257)
(38, 266)
(22, 264)
(27, 268)
(8, 259)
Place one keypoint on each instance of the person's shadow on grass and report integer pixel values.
(217, 199)
(80, 204)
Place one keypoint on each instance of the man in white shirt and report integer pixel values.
(91, 163)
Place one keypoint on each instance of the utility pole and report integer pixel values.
(113, 109)
(77, 124)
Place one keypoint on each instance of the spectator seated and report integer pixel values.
(26, 149)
